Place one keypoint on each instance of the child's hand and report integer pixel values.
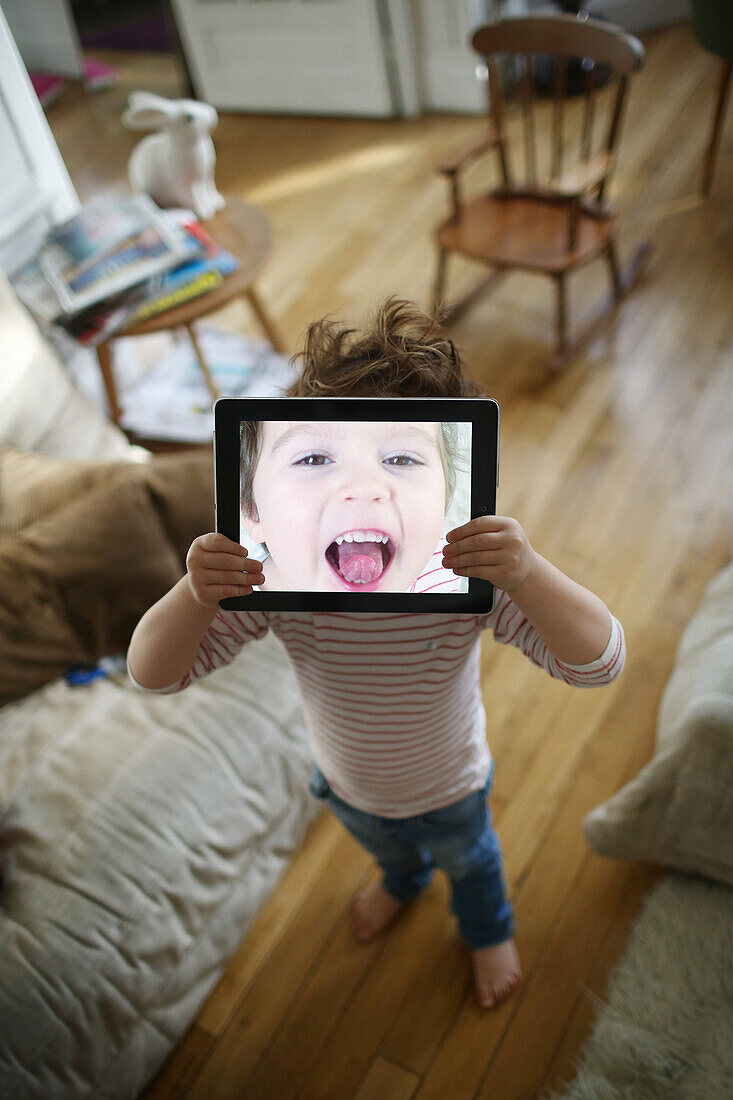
(219, 568)
(492, 548)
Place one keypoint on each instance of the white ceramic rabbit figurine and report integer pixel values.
(176, 167)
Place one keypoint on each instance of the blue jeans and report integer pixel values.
(459, 839)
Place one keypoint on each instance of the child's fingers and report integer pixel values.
(216, 592)
(475, 526)
(224, 576)
(485, 541)
(231, 561)
(479, 557)
(214, 540)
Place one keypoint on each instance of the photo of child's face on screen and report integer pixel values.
(344, 506)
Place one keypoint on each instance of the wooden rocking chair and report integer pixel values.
(556, 226)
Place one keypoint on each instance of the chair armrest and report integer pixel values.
(475, 149)
(584, 178)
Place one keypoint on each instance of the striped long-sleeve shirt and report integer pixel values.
(393, 703)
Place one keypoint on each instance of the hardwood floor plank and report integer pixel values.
(386, 1081)
(182, 1067)
(305, 1028)
(362, 1027)
(430, 1004)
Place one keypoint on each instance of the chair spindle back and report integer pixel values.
(564, 38)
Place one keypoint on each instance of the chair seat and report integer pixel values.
(522, 232)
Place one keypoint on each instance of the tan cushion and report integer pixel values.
(181, 486)
(678, 811)
(74, 584)
(32, 486)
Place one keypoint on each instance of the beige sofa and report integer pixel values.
(665, 1027)
(140, 833)
(678, 811)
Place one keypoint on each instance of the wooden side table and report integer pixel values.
(242, 230)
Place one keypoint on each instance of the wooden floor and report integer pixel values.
(619, 470)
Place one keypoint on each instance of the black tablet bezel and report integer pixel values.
(482, 413)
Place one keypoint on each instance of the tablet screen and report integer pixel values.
(354, 506)
(347, 501)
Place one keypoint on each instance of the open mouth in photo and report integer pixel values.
(361, 557)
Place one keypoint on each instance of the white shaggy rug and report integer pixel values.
(666, 1029)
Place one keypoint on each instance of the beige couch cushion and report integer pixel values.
(181, 486)
(74, 584)
(32, 486)
(678, 812)
(85, 549)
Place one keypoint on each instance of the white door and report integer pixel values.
(46, 36)
(293, 56)
(447, 63)
(452, 75)
(35, 189)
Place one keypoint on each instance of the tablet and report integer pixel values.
(346, 501)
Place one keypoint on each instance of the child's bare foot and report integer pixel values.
(372, 911)
(496, 971)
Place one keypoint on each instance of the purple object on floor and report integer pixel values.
(143, 34)
(47, 88)
(98, 75)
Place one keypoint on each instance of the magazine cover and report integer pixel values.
(157, 294)
(109, 246)
(188, 281)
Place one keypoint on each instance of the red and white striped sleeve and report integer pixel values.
(228, 632)
(436, 578)
(512, 627)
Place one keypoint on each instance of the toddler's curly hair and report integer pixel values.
(400, 352)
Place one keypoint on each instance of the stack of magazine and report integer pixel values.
(117, 263)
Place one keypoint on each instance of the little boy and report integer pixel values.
(349, 506)
(393, 703)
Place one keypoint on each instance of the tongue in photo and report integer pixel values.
(360, 561)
